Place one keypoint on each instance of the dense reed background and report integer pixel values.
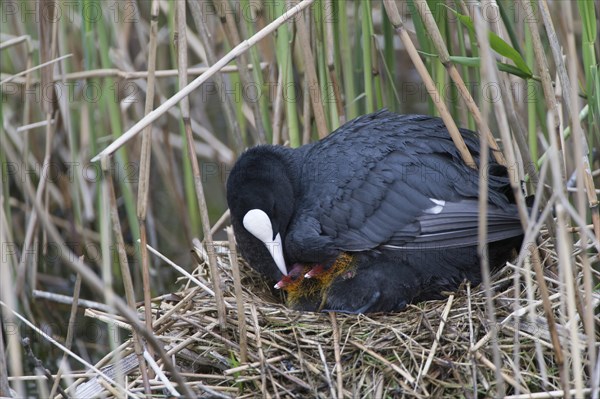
(75, 76)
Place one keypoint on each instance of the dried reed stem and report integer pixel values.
(126, 275)
(4, 386)
(487, 76)
(143, 188)
(565, 250)
(237, 283)
(14, 41)
(547, 395)
(35, 68)
(261, 355)
(311, 79)
(339, 371)
(69, 339)
(437, 336)
(132, 75)
(14, 362)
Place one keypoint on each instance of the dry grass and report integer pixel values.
(434, 349)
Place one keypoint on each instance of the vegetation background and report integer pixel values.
(75, 76)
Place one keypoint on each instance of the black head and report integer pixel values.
(260, 196)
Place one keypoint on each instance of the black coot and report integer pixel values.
(388, 194)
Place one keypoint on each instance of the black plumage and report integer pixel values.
(391, 190)
(376, 281)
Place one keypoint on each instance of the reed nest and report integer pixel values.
(442, 348)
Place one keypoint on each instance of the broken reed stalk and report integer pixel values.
(184, 92)
(261, 355)
(14, 41)
(4, 386)
(200, 197)
(557, 55)
(42, 384)
(14, 362)
(35, 68)
(198, 253)
(472, 359)
(438, 335)
(531, 316)
(237, 283)
(335, 332)
(69, 339)
(396, 19)
(126, 274)
(107, 216)
(143, 188)
(565, 251)
(488, 76)
(8, 295)
(220, 222)
(133, 75)
(326, 372)
(503, 83)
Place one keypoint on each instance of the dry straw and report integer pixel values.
(426, 351)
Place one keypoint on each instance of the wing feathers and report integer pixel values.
(394, 180)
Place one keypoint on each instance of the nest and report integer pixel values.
(443, 348)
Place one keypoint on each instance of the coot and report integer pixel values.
(380, 213)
